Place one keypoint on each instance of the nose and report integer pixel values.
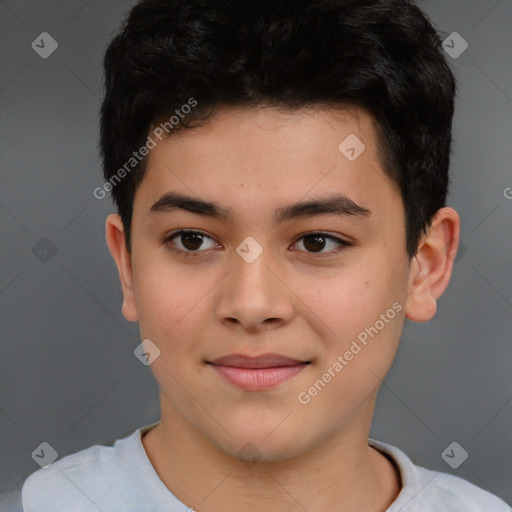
(254, 296)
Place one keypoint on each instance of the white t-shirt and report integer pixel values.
(120, 478)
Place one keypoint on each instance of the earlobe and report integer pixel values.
(432, 265)
(114, 231)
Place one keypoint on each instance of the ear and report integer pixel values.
(431, 267)
(116, 243)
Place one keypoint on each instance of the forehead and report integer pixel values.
(250, 157)
(245, 131)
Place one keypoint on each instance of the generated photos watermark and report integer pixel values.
(157, 133)
(304, 397)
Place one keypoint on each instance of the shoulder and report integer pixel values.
(455, 493)
(424, 490)
(81, 481)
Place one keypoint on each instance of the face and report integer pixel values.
(291, 247)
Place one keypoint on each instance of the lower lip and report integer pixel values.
(258, 379)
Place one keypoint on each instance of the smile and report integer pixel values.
(257, 373)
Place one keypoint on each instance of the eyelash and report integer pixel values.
(343, 244)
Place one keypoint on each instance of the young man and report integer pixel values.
(280, 171)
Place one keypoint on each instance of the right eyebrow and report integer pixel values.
(175, 201)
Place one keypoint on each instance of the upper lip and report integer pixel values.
(262, 361)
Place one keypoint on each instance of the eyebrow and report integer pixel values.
(335, 204)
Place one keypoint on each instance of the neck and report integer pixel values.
(340, 473)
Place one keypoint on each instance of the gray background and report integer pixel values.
(68, 375)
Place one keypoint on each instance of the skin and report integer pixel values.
(289, 301)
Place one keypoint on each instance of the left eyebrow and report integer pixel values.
(335, 204)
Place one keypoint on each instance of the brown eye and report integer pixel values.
(189, 242)
(315, 243)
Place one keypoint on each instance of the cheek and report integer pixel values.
(169, 307)
(342, 302)
(362, 303)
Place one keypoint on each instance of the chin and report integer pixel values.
(258, 446)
